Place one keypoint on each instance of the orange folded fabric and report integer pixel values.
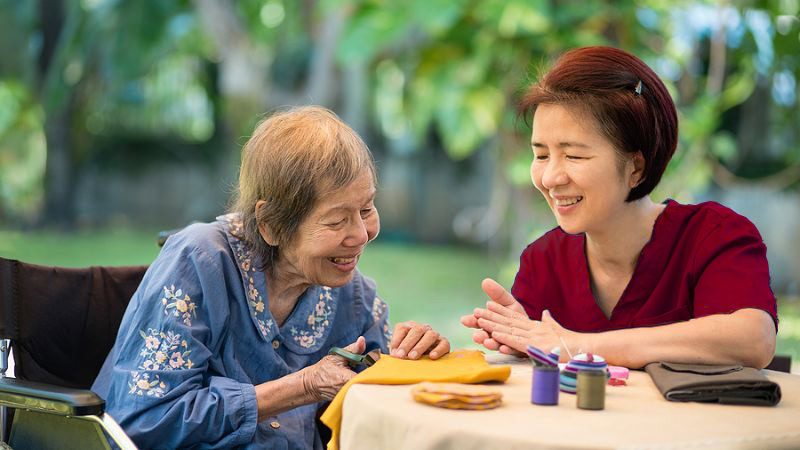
(460, 366)
(457, 395)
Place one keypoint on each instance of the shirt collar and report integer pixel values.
(309, 323)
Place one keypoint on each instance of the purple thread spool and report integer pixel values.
(544, 386)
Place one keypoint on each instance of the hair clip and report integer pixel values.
(638, 89)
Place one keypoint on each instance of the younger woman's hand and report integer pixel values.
(500, 298)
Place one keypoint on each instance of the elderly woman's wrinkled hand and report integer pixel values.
(411, 340)
(323, 380)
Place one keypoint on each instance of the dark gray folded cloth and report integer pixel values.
(732, 385)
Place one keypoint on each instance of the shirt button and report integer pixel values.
(274, 424)
(275, 344)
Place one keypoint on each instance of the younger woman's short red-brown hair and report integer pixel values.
(630, 104)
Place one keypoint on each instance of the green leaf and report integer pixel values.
(468, 118)
(437, 16)
(515, 17)
(371, 31)
(738, 88)
(518, 169)
(700, 119)
(723, 146)
(524, 17)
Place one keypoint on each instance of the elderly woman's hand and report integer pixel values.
(323, 380)
(411, 340)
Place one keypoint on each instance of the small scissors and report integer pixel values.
(354, 359)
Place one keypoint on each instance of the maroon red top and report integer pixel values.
(701, 260)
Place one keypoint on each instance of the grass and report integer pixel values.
(424, 283)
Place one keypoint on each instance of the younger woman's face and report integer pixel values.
(577, 169)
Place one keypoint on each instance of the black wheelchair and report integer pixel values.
(59, 324)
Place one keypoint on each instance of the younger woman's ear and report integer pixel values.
(265, 232)
(637, 169)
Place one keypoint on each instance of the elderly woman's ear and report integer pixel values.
(265, 232)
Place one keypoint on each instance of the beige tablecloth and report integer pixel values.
(636, 416)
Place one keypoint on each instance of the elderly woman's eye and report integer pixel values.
(336, 223)
(366, 211)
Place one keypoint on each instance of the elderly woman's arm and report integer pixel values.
(316, 383)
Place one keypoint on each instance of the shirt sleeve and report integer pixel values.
(165, 390)
(377, 331)
(523, 288)
(732, 271)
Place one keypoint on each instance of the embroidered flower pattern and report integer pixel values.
(161, 352)
(379, 309)
(141, 384)
(317, 320)
(181, 307)
(245, 257)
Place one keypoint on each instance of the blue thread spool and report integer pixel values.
(544, 386)
(544, 383)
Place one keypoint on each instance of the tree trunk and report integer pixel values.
(59, 183)
(243, 67)
(57, 103)
(245, 84)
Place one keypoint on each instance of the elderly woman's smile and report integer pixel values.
(329, 242)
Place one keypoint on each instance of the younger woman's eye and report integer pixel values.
(541, 157)
(572, 157)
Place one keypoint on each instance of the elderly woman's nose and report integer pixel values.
(357, 233)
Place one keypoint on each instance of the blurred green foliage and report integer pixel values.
(186, 71)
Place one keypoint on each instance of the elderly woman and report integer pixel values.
(224, 344)
(621, 276)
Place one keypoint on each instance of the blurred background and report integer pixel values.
(122, 118)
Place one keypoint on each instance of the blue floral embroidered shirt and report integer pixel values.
(198, 336)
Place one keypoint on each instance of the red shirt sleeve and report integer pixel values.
(732, 270)
(524, 289)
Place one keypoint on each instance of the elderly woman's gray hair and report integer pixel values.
(292, 158)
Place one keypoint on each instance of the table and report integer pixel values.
(636, 416)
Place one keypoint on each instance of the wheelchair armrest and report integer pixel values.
(49, 398)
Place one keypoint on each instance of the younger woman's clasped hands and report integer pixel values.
(504, 325)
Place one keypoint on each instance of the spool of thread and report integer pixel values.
(582, 361)
(544, 386)
(591, 389)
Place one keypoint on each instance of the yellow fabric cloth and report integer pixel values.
(460, 366)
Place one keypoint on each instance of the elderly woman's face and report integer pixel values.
(577, 169)
(328, 243)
